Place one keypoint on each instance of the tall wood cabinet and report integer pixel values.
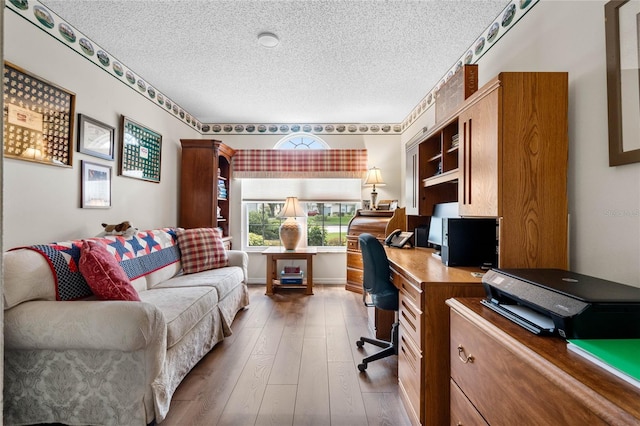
(379, 223)
(204, 185)
(503, 153)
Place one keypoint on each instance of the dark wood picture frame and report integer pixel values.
(618, 155)
(96, 138)
(38, 118)
(95, 186)
(140, 151)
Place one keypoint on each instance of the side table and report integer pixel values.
(278, 253)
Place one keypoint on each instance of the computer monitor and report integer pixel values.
(440, 211)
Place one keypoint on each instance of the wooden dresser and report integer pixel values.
(379, 223)
(423, 355)
(503, 374)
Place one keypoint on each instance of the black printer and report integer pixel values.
(572, 305)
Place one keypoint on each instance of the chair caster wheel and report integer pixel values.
(362, 367)
(359, 343)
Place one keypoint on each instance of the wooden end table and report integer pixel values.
(278, 253)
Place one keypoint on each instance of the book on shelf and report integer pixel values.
(291, 269)
(617, 356)
(291, 277)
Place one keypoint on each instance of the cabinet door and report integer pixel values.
(479, 158)
(412, 181)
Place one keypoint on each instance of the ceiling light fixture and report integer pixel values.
(267, 39)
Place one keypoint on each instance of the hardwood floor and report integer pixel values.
(292, 360)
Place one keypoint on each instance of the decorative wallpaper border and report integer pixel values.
(494, 32)
(48, 21)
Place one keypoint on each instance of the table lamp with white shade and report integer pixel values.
(374, 177)
(291, 230)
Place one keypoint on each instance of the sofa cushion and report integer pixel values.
(27, 276)
(201, 249)
(222, 279)
(103, 274)
(182, 308)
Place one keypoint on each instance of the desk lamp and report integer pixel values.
(374, 177)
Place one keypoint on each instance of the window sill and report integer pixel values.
(321, 249)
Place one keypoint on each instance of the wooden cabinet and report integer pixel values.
(423, 354)
(512, 156)
(204, 185)
(378, 223)
(503, 374)
(412, 189)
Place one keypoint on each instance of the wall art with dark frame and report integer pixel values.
(95, 137)
(38, 119)
(140, 151)
(622, 32)
(96, 186)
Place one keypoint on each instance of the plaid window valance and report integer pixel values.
(293, 163)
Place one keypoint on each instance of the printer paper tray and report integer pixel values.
(523, 316)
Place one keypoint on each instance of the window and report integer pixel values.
(301, 141)
(325, 224)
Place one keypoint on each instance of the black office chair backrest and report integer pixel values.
(377, 275)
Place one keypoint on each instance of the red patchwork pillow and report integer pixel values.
(103, 274)
(201, 249)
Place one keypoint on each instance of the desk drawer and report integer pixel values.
(410, 370)
(411, 292)
(354, 260)
(462, 411)
(354, 276)
(505, 386)
(410, 318)
(352, 243)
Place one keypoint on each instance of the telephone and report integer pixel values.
(398, 239)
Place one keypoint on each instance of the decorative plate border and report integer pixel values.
(509, 16)
(49, 22)
(287, 128)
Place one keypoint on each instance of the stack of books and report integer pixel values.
(455, 141)
(291, 275)
(222, 189)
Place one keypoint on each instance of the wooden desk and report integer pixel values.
(423, 354)
(278, 253)
(519, 378)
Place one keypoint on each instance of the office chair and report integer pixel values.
(384, 295)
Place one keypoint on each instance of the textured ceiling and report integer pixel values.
(338, 61)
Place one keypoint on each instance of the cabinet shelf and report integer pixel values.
(446, 177)
(435, 158)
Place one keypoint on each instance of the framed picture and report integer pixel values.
(95, 138)
(622, 33)
(96, 186)
(140, 151)
(38, 119)
(366, 204)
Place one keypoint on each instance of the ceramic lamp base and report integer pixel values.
(374, 200)
(290, 233)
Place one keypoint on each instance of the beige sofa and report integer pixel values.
(89, 361)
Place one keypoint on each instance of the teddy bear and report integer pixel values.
(123, 228)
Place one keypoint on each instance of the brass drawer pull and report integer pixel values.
(463, 356)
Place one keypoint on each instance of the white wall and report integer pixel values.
(604, 202)
(383, 152)
(42, 202)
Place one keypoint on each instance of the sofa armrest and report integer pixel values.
(241, 259)
(93, 325)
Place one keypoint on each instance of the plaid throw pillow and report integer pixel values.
(201, 249)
